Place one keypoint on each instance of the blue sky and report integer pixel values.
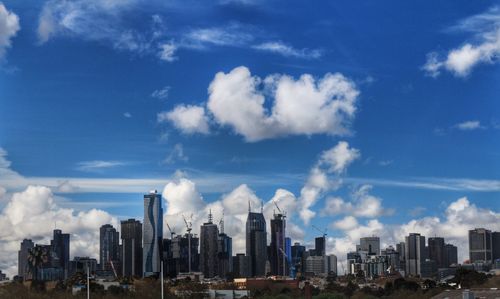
(89, 90)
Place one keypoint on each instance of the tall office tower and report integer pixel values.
(131, 248)
(60, 246)
(241, 265)
(152, 236)
(480, 241)
(370, 244)
(401, 249)
(180, 253)
(319, 246)
(109, 242)
(331, 263)
(277, 248)
(224, 252)
(450, 255)
(436, 251)
(495, 236)
(297, 258)
(209, 234)
(414, 253)
(22, 258)
(256, 243)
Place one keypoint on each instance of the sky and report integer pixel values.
(359, 118)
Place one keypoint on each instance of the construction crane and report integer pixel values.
(172, 233)
(321, 231)
(189, 227)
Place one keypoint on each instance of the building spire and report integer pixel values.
(249, 208)
(221, 223)
(210, 216)
(262, 207)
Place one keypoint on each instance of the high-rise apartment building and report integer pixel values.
(320, 246)
(224, 254)
(450, 255)
(109, 243)
(152, 235)
(256, 243)
(131, 255)
(480, 245)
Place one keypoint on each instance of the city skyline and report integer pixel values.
(348, 116)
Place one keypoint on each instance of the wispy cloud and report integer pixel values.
(161, 93)
(484, 47)
(176, 154)
(98, 165)
(127, 115)
(432, 183)
(231, 35)
(286, 50)
(469, 125)
(9, 26)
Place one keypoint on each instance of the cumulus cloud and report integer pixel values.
(333, 161)
(33, 213)
(362, 204)
(305, 106)
(9, 26)
(485, 48)
(283, 49)
(187, 118)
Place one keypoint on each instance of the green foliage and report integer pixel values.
(469, 278)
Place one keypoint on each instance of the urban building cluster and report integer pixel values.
(140, 250)
(414, 257)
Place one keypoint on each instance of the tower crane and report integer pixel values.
(283, 215)
(172, 233)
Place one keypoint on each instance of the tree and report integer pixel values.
(37, 256)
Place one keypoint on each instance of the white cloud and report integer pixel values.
(188, 119)
(127, 115)
(485, 49)
(103, 21)
(161, 93)
(334, 160)
(283, 49)
(167, 52)
(469, 125)
(233, 35)
(33, 213)
(362, 204)
(9, 26)
(177, 154)
(299, 107)
(98, 165)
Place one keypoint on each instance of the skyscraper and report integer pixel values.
(414, 253)
(131, 248)
(224, 252)
(108, 247)
(436, 251)
(180, 253)
(297, 258)
(320, 246)
(495, 236)
(277, 252)
(60, 246)
(256, 243)
(370, 244)
(209, 234)
(152, 234)
(450, 255)
(480, 243)
(22, 257)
